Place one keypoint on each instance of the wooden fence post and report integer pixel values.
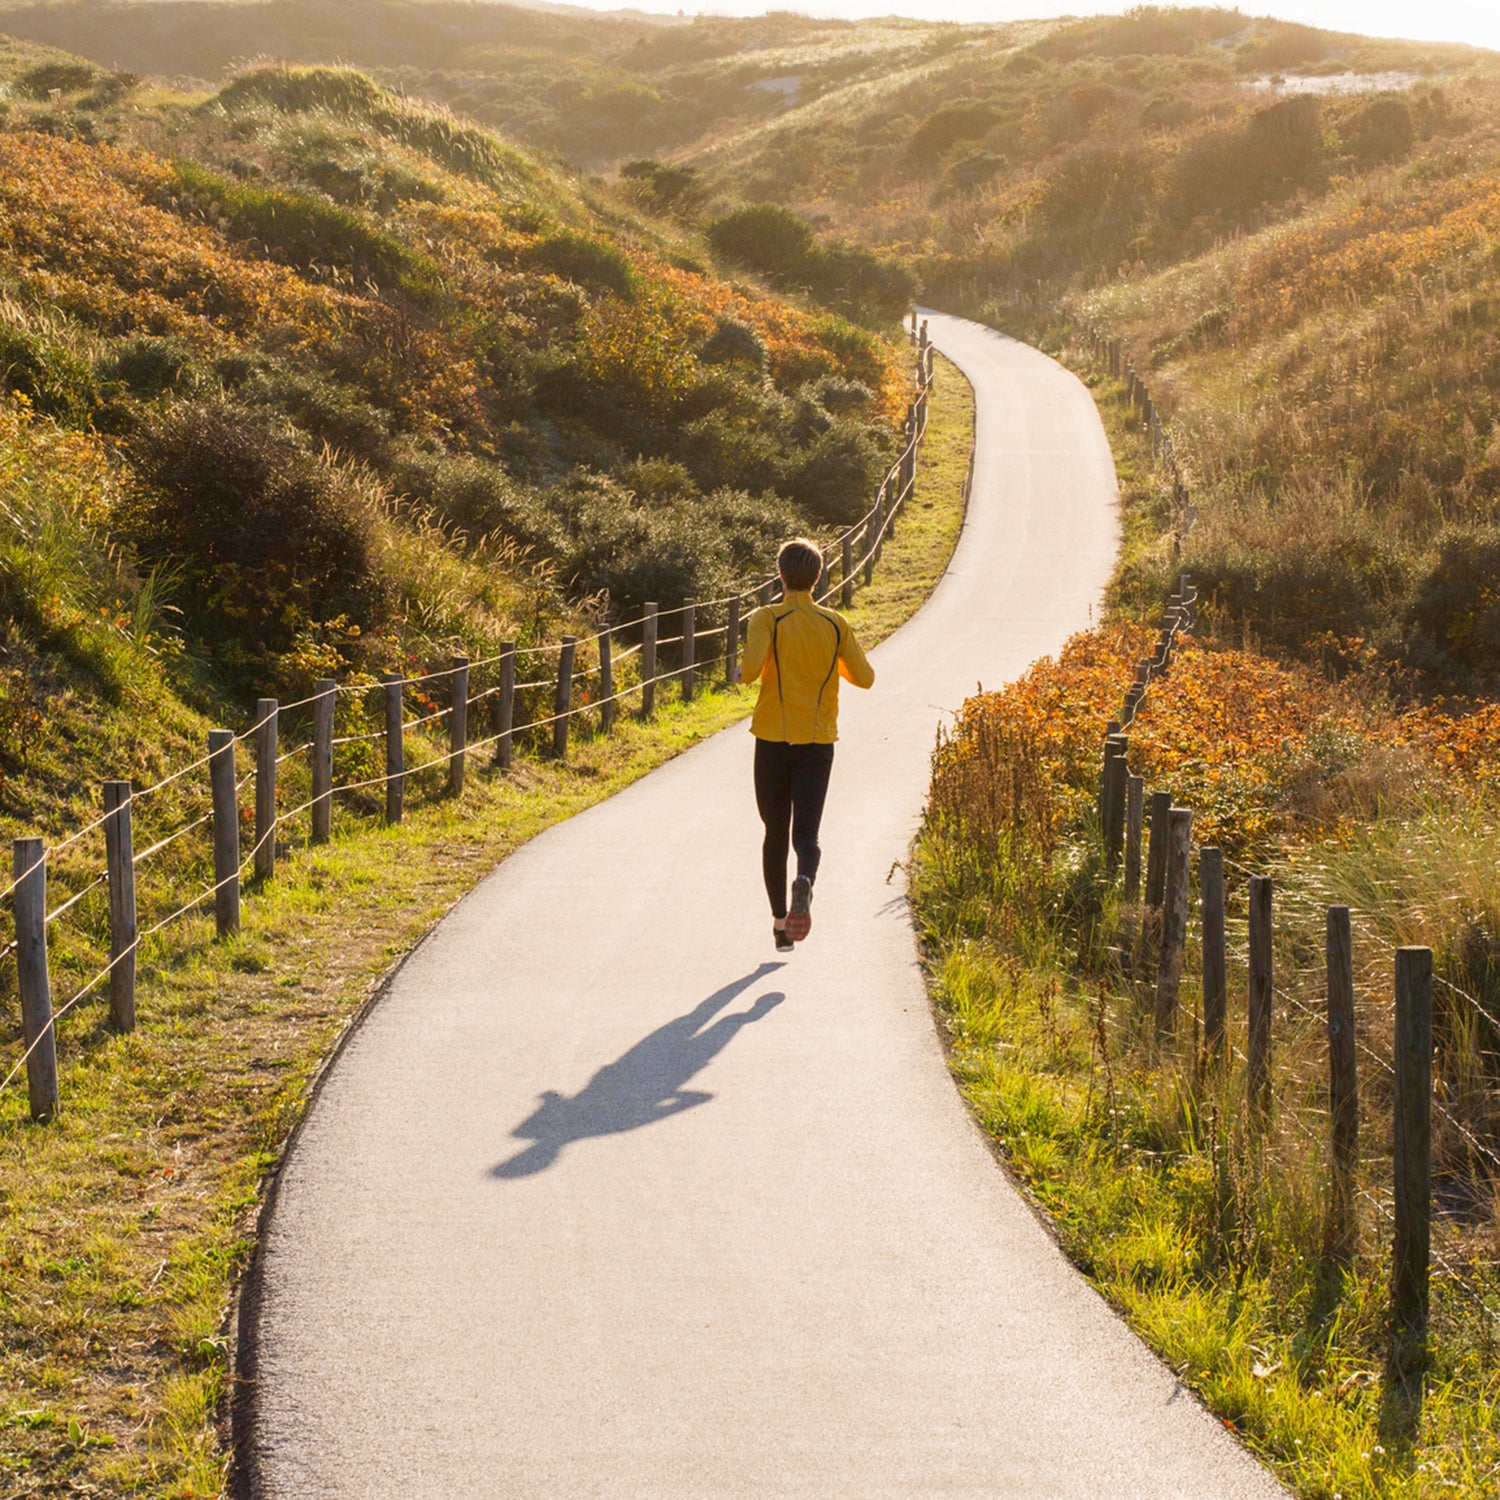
(29, 902)
(562, 702)
(1412, 1247)
(458, 724)
(325, 690)
(732, 643)
(119, 858)
(1261, 997)
(226, 831)
(1135, 797)
(607, 704)
(1215, 984)
(505, 707)
(1116, 774)
(846, 569)
(767, 594)
(1174, 925)
(689, 649)
(266, 714)
(1343, 1081)
(395, 749)
(1156, 853)
(648, 662)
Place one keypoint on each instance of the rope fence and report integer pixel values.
(517, 721)
(1300, 1067)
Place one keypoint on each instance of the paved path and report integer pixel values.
(602, 1200)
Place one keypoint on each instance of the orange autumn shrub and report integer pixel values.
(1248, 743)
(1020, 763)
(1465, 744)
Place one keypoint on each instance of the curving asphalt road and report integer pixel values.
(604, 1200)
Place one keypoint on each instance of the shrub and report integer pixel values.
(62, 77)
(664, 187)
(41, 358)
(734, 342)
(149, 366)
(1454, 617)
(1380, 130)
(589, 262)
(767, 238)
(835, 478)
(265, 537)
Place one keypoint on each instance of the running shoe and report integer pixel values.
(799, 918)
(784, 943)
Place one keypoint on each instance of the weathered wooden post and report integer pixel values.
(1343, 1081)
(689, 649)
(1215, 983)
(732, 643)
(395, 749)
(1412, 1248)
(505, 707)
(1135, 798)
(119, 859)
(648, 662)
(767, 593)
(29, 903)
(1156, 881)
(881, 518)
(266, 715)
(1116, 774)
(1261, 997)
(607, 704)
(1156, 853)
(458, 724)
(846, 569)
(562, 701)
(1174, 925)
(324, 690)
(1111, 733)
(226, 823)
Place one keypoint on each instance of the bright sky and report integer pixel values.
(1434, 21)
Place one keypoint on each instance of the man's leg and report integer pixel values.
(773, 800)
(809, 791)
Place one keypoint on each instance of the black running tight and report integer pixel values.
(791, 784)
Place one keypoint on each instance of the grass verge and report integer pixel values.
(1214, 1237)
(128, 1221)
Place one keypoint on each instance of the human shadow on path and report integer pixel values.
(641, 1086)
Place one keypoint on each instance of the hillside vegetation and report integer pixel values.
(301, 377)
(475, 391)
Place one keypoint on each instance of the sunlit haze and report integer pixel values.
(1436, 21)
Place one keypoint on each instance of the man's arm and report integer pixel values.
(852, 664)
(757, 646)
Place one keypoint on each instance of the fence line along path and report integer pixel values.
(604, 1199)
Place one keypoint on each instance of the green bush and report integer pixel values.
(148, 366)
(767, 238)
(61, 77)
(734, 342)
(834, 480)
(1454, 618)
(311, 233)
(1378, 131)
(263, 537)
(42, 359)
(589, 262)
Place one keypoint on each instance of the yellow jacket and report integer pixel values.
(799, 650)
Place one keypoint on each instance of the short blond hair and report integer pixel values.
(800, 563)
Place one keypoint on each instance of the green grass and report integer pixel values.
(1210, 1249)
(129, 1220)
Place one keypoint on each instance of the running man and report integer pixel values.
(798, 650)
